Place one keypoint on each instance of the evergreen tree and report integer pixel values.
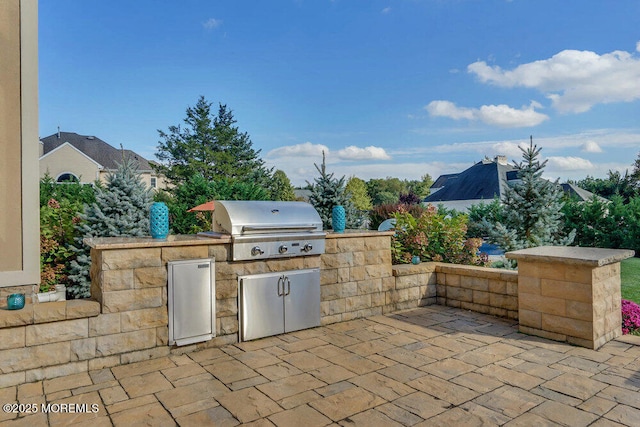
(328, 192)
(121, 209)
(280, 187)
(531, 214)
(357, 190)
(211, 146)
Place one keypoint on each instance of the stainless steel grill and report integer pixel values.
(267, 229)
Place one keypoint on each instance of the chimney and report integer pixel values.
(58, 132)
(500, 159)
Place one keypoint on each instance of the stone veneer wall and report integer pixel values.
(481, 289)
(127, 320)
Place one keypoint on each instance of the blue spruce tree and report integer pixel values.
(531, 209)
(121, 209)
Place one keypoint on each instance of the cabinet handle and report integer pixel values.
(281, 281)
(288, 282)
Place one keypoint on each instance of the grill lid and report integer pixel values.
(243, 217)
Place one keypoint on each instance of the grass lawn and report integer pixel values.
(630, 279)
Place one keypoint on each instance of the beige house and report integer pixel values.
(68, 156)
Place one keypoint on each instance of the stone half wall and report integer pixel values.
(126, 319)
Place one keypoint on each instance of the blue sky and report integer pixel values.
(394, 88)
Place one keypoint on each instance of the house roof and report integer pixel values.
(482, 181)
(104, 154)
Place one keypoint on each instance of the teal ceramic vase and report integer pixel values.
(159, 220)
(338, 219)
(15, 301)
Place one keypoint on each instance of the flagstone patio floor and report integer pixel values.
(428, 366)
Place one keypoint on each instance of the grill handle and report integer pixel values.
(277, 227)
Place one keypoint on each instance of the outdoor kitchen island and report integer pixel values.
(129, 279)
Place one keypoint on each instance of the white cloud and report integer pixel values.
(574, 80)
(495, 115)
(212, 23)
(569, 163)
(306, 149)
(386, 10)
(591, 147)
(368, 153)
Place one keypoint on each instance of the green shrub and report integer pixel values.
(435, 237)
(383, 212)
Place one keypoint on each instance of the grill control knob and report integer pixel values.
(256, 251)
(307, 247)
(283, 249)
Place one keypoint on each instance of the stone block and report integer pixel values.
(79, 308)
(605, 272)
(498, 312)
(377, 242)
(452, 280)
(388, 283)
(149, 277)
(526, 284)
(566, 290)
(105, 324)
(220, 252)
(226, 307)
(9, 318)
(578, 274)
(460, 294)
(332, 307)
(22, 359)
(83, 349)
(377, 271)
(125, 342)
(357, 273)
(136, 299)
(330, 292)
(284, 264)
(549, 305)
(119, 259)
(441, 290)
(503, 301)
(344, 273)
(543, 334)
(357, 303)
(481, 297)
(530, 318)
(328, 320)
(50, 372)
(116, 280)
(146, 354)
(330, 247)
(226, 289)
(144, 318)
(407, 281)
(369, 286)
(378, 299)
(566, 326)
(580, 310)
(162, 336)
(12, 337)
(360, 258)
(12, 379)
(312, 261)
(226, 271)
(328, 276)
(49, 312)
(441, 278)
(176, 253)
(512, 288)
(478, 308)
(60, 331)
(227, 325)
(352, 244)
(474, 283)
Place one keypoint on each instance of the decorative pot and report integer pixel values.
(415, 259)
(15, 301)
(338, 219)
(159, 220)
(59, 294)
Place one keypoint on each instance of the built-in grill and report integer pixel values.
(273, 302)
(266, 229)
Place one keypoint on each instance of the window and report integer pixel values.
(67, 177)
(153, 182)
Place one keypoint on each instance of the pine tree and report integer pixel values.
(121, 209)
(531, 208)
(328, 192)
(280, 187)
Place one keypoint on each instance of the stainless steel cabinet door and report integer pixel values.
(302, 299)
(191, 301)
(262, 311)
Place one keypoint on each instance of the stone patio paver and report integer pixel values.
(428, 366)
